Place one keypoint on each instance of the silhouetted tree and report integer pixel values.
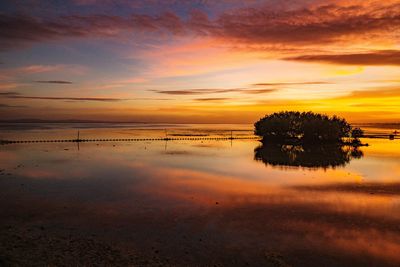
(307, 127)
(357, 132)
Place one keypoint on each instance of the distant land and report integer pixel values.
(32, 120)
(380, 124)
(63, 121)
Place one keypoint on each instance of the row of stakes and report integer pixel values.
(125, 139)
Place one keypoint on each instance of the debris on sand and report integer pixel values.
(275, 259)
(23, 247)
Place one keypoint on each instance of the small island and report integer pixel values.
(293, 127)
(306, 139)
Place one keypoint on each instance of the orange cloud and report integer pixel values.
(385, 57)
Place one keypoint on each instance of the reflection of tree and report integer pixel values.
(310, 156)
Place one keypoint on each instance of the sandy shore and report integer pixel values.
(37, 246)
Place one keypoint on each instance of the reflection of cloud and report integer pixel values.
(186, 153)
(34, 173)
(367, 188)
(151, 203)
(385, 57)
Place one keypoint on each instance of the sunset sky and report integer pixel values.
(205, 61)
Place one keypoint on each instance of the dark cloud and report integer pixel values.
(197, 91)
(151, 98)
(19, 30)
(7, 94)
(215, 91)
(266, 24)
(55, 82)
(167, 21)
(380, 57)
(259, 91)
(289, 83)
(11, 106)
(309, 25)
(15, 95)
(212, 99)
(100, 99)
(180, 92)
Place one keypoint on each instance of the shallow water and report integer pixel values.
(197, 203)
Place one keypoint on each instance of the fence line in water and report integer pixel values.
(3, 142)
(78, 140)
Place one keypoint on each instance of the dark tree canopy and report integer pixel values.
(357, 132)
(307, 127)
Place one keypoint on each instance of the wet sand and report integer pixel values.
(245, 235)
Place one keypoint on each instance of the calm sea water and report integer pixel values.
(199, 203)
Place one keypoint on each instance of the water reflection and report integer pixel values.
(309, 156)
(199, 203)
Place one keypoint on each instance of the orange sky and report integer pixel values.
(208, 62)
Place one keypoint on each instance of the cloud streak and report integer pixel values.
(212, 99)
(8, 94)
(290, 83)
(97, 99)
(11, 106)
(388, 91)
(373, 58)
(215, 91)
(54, 82)
(268, 88)
(15, 95)
(203, 91)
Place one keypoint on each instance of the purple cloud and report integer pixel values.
(266, 24)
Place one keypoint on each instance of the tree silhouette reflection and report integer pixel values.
(306, 155)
